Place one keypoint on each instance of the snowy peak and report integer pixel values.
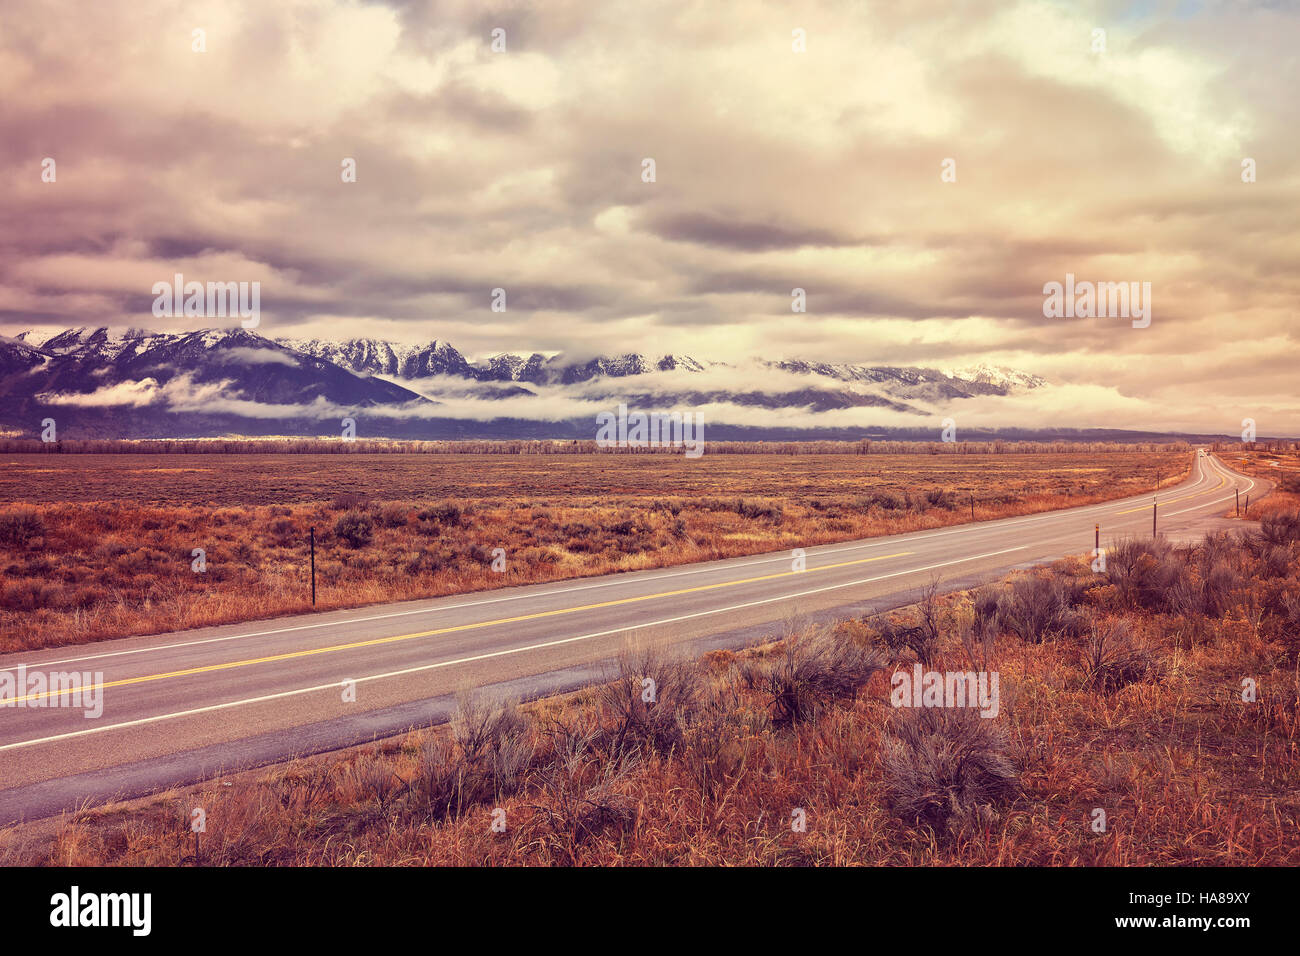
(998, 375)
(512, 367)
(975, 379)
(386, 359)
(93, 368)
(63, 340)
(553, 368)
(679, 363)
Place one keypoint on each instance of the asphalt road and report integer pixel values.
(179, 707)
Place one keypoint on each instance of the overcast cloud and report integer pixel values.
(775, 170)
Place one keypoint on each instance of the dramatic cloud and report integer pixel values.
(775, 169)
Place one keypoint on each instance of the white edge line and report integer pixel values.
(491, 654)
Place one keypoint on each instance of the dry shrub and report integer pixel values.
(1201, 580)
(946, 767)
(715, 743)
(393, 516)
(918, 630)
(354, 529)
(1290, 611)
(885, 500)
(1204, 585)
(21, 526)
(978, 642)
(446, 514)
(984, 607)
(1040, 605)
(1277, 561)
(1113, 658)
(768, 510)
(437, 787)
(373, 778)
(284, 532)
(495, 739)
(237, 833)
(811, 669)
(1142, 571)
(304, 787)
(940, 498)
(486, 758)
(586, 790)
(1280, 527)
(349, 501)
(650, 700)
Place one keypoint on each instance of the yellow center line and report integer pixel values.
(445, 630)
(1174, 501)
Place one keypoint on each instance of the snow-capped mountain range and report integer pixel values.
(219, 381)
(410, 362)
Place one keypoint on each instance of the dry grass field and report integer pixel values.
(95, 546)
(1120, 691)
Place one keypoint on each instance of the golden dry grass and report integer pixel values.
(1186, 771)
(100, 546)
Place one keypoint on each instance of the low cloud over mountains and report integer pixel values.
(98, 383)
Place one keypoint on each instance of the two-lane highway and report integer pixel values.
(180, 706)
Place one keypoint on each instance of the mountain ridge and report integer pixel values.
(207, 379)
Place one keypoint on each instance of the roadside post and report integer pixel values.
(313, 567)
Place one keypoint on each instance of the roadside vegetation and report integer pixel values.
(1163, 692)
(1276, 463)
(102, 546)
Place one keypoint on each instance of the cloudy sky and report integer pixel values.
(1116, 156)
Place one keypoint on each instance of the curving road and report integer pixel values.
(179, 707)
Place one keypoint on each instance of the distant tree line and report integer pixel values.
(1273, 446)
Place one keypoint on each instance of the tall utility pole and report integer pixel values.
(1153, 518)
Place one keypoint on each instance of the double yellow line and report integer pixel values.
(374, 642)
